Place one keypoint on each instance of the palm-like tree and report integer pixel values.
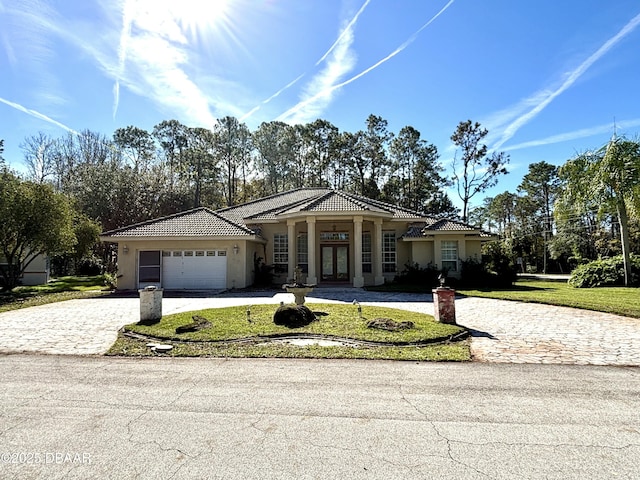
(609, 178)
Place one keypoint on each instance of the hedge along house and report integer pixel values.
(336, 238)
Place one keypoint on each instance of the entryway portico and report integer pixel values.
(336, 249)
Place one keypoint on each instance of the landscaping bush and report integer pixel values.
(262, 273)
(476, 274)
(414, 275)
(605, 273)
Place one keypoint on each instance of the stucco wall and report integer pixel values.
(37, 272)
(237, 264)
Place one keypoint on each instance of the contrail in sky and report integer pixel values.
(125, 34)
(341, 38)
(325, 92)
(582, 133)
(264, 102)
(512, 128)
(345, 30)
(39, 115)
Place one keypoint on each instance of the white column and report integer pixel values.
(291, 238)
(358, 278)
(311, 250)
(377, 252)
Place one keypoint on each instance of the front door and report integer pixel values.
(335, 263)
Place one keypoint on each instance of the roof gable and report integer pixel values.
(199, 222)
(232, 221)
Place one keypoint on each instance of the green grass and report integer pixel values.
(57, 290)
(342, 321)
(618, 300)
(448, 352)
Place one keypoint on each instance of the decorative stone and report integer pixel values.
(162, 348)
(389, 324)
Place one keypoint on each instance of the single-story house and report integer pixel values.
(36, 273)
(332, 236)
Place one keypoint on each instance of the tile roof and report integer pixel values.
(314, 200)
(199, 222)
(233, 221)
(420, 229)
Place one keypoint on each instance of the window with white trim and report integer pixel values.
(449, 250)
(366, 252)
(281, 252)
(389, 252)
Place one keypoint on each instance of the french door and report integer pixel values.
(335, 263)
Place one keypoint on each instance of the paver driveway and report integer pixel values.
(502, 331)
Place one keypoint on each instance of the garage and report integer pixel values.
(194, 269)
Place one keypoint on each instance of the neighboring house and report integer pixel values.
(36, 273)
(333, 236)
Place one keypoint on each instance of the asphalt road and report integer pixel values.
(96, 417)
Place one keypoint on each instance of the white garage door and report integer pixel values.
(194, 269)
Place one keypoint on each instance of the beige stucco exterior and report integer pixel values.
(239, 265)
(331, 237)
(241, 252)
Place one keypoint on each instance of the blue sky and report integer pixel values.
(548, 78)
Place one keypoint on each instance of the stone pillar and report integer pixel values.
(312, 276)
(291, 239)
(150, 304)
(377, 252)
(444, 306)
(358, 278)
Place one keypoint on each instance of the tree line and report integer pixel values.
(136, 174)
(561, 217)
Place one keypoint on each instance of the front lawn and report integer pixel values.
(618, 300)
(232, 335)
(57, 290)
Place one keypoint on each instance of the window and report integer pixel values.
(302, 252)
(149, 266)
(366, 252)
(334, 236)
(450, 255)
(281, 252)
(388, 252)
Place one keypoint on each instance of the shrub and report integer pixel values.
(604, 273)
(414, 275)
(262, 273)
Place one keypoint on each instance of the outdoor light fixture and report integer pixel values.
(236, 249)
(356, 302)
(125, 249)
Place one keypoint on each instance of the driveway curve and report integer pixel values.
(502, 331)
